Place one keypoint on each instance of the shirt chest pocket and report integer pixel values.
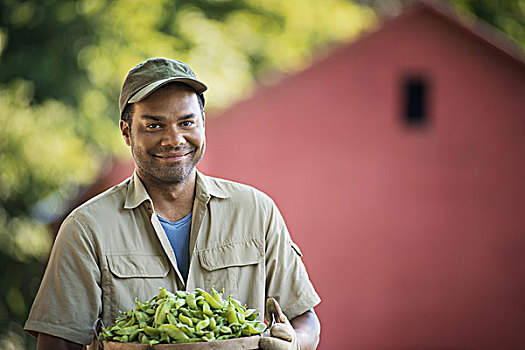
(138, 266)
(236, 266)
(134, 276)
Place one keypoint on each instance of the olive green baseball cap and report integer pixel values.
(154, 73)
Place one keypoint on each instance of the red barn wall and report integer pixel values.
(412, 236)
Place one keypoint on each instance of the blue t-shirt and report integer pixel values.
(178, 233)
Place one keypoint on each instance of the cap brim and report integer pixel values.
(149, 89)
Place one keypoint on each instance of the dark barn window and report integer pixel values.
(415, 101)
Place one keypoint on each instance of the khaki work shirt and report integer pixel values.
(113, 249)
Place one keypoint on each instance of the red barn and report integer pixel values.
(398, 163)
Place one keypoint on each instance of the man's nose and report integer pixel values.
(172, 137)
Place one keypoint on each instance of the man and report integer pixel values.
(171, 226)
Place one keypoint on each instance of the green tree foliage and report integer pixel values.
(61, 66)
(506, 15)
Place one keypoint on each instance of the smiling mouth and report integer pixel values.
(172, 156)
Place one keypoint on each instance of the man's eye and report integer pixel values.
(153, 126)
(187, 123)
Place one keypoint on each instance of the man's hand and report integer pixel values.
(282, 334)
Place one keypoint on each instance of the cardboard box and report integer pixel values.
(247, 343)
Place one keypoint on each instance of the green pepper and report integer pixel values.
(209, 336)
(130, 322)
(143, 338)
(191, 301)
(216, 295)
(245, 332)
(135, 334)
(115, 328)
(162, 293)
(164, 338)
(232, 314)
(180, 302)
(141, 318)
(206, 309)
(106, 332)
(240, 317)
(159, 310)
(249, 312)
(188, 330)
(197, 313)
(185, 311)
(202, 324)
(128, 330)
(213, 323)
(209, 299)
(152, 332)
(256, 327)
(174, 332)
(235, 302)
(171, 318)
(162, 311)
(181, 293)
(226, 329)
(120, 323)
(185, 319)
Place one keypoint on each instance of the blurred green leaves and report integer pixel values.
(506, 15)
(40, 153)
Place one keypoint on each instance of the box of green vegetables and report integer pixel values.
(185, 320)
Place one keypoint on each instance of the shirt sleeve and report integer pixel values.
(68, 302)
(287, 280)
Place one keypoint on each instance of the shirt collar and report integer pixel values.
(207, 187)
(137, 194)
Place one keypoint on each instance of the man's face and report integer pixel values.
(166, 135)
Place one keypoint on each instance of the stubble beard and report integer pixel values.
(155, 171)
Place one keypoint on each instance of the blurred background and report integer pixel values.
(390, 134)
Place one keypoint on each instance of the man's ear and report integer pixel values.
(125, 130)
(203, 118)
